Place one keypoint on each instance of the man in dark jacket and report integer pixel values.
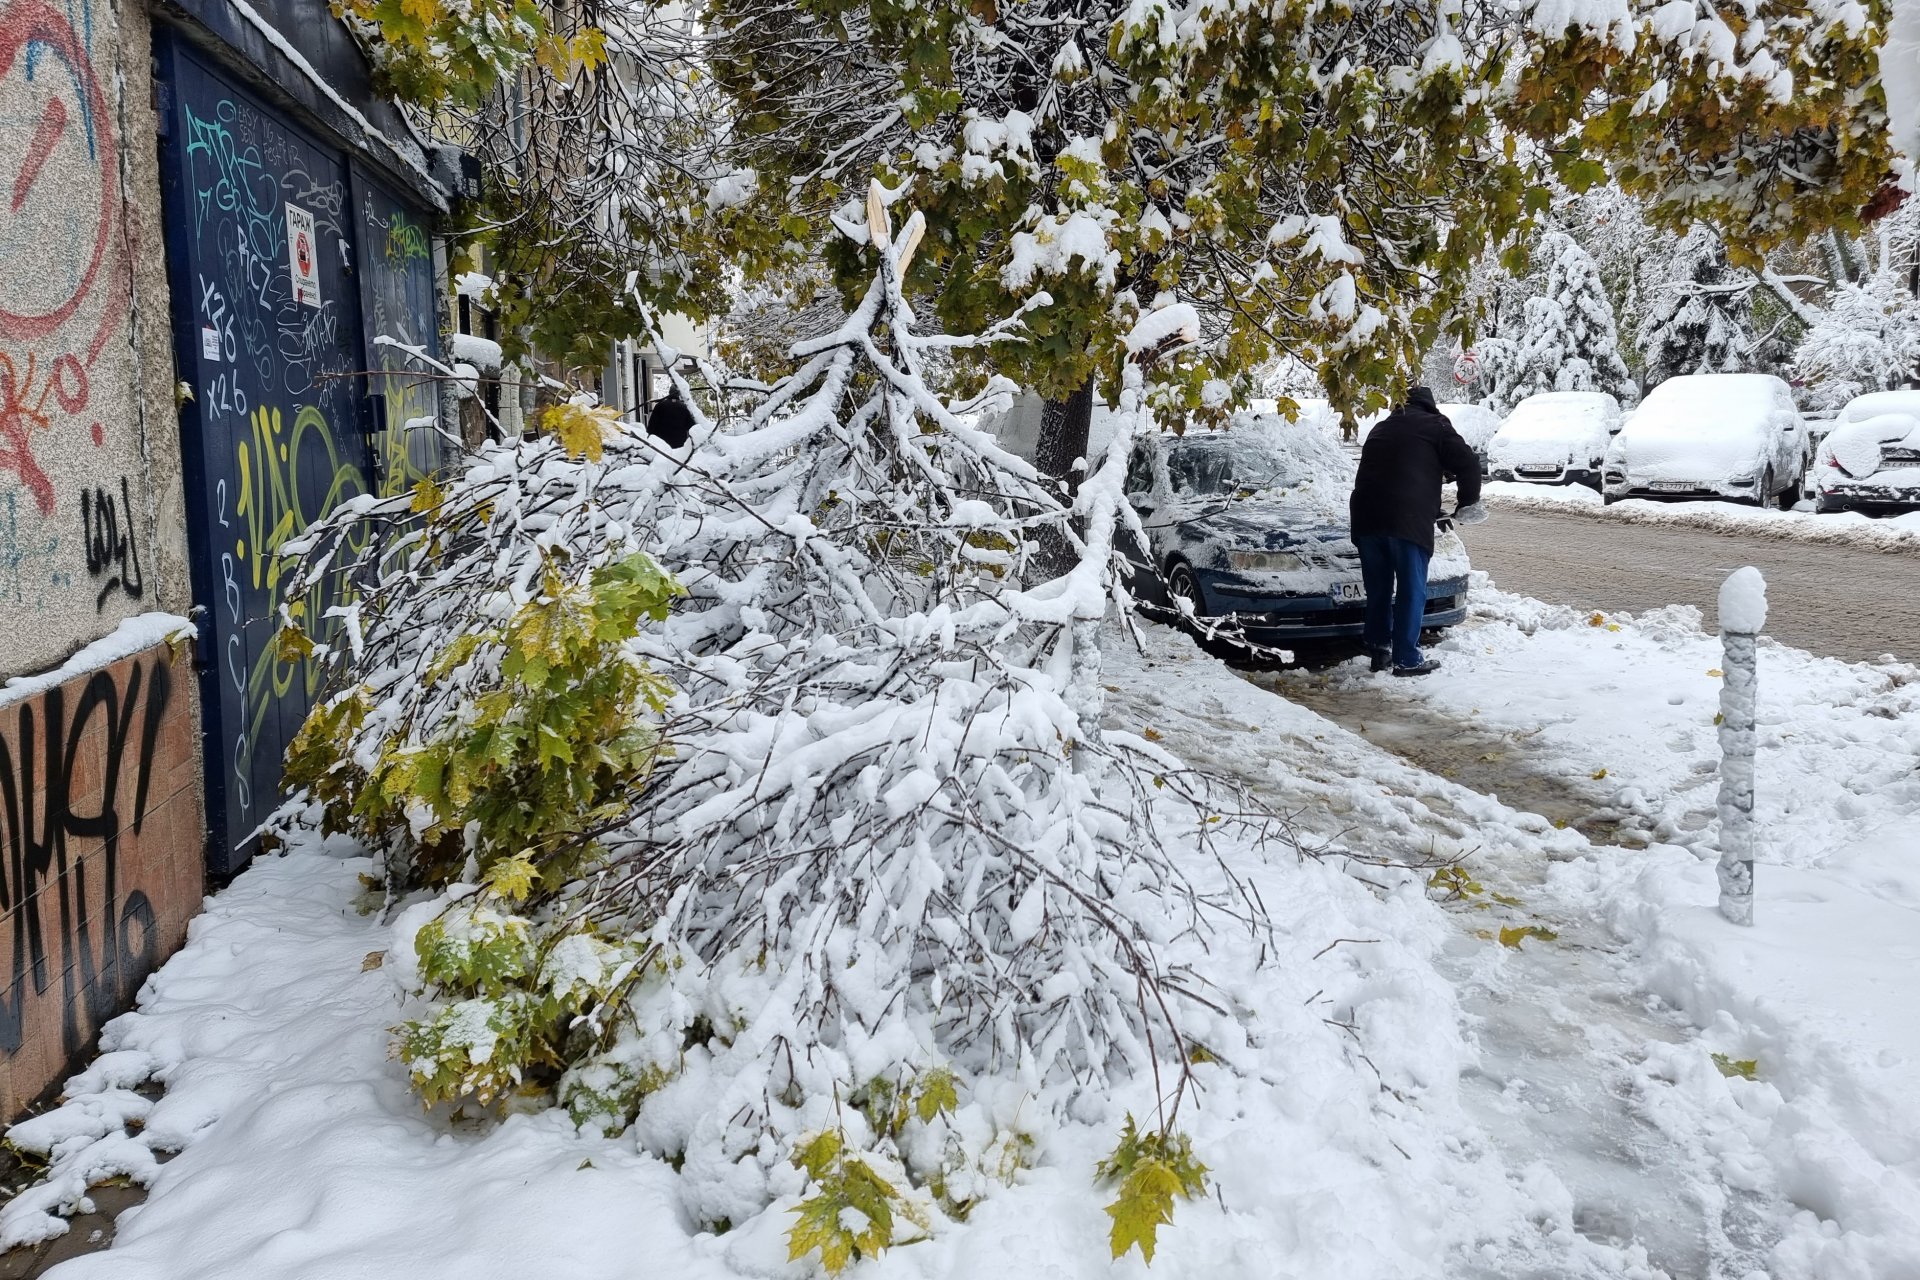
(1396, 501)
(670, 420)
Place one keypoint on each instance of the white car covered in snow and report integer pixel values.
(1475, 422)
(1870, 460)
(1556, 437)
(1711, 435)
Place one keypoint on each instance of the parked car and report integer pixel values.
(1711, 435)
(1476, 424)
(1250, 525)
(1870, 460)
(1556, 437)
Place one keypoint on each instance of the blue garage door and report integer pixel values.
(274, 270)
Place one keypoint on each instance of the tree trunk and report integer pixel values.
(1060, 455)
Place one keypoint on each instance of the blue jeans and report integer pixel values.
(1394, 572)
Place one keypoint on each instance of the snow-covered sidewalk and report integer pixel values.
(1839, 528)
(1620, 713)
(1415, 1098)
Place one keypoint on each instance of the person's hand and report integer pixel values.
(1472, 513)
(1444, 524)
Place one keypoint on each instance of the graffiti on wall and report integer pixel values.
(64, 284)
(76, 924)
(113, 546)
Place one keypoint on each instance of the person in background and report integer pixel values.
(670, 420)
(1395, 505)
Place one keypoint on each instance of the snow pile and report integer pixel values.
(1800, 1140)
(480, 354)
(131, 636)
(1898, 534)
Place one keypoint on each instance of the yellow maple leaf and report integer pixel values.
(581, 431)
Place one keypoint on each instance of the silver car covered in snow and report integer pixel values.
(1711, 435)
(1555, 437)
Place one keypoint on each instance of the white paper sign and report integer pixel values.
(302, 256)
(209, 342)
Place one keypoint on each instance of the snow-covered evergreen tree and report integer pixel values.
(1566, 340)
(1698, 320)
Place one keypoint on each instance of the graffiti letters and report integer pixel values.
(73, 922)
(113, 551)
(289, 477)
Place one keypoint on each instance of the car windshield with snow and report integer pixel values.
(1711, 435)
(1249, 526)
(1870, 461)
(1556, 437)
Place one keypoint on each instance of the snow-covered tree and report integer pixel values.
(1316, 180)
(1866, 339)
(1566, 340)
(1699, 319)
(760, 780)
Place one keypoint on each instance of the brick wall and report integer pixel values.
(101, 856)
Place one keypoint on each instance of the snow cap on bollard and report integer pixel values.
(1743, 601)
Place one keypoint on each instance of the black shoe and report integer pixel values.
(1426, 667)
(1379, 659)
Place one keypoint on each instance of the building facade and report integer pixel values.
(216, 245)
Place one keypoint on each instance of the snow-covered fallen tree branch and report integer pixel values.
(763, 774)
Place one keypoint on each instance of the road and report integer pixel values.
(1842, 601)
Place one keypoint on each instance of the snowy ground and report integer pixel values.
(1891, 533)
(1413, 1097)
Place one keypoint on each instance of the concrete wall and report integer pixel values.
(92, 528)
(100, 863)
(102, 827)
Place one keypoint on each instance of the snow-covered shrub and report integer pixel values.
(885, 844)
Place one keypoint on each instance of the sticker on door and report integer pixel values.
(300, 256)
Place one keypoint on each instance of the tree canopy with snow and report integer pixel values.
(1318, 181)
(1699, 321)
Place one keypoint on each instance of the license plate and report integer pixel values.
(1539, 471)
(1673, 486)
(1349, 592)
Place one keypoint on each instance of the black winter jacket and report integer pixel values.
(671, 420)
(1397, 491)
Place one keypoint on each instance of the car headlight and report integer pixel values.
(1270, 561)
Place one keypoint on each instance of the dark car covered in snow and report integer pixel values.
(1870, 460)
(1249, 525)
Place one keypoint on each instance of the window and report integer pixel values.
(1140, 470)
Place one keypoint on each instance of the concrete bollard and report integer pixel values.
(1743, 611)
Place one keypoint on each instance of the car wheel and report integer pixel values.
(1608, 499)
(1182, 585)
(1768, 496)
